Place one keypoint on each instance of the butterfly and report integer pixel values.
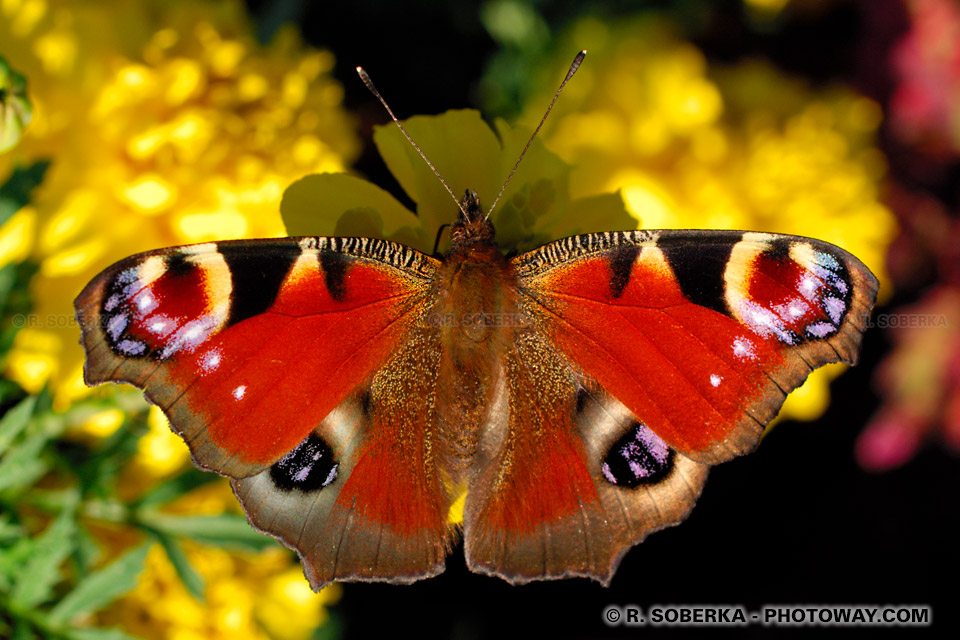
(353, 388)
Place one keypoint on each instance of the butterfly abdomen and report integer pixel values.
(477, 315)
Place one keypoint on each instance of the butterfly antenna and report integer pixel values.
(436, 243)
(367, 81)
(573, 70)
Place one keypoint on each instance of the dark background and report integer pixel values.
(798, 521)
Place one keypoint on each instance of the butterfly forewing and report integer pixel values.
(243, 344)
(701, 334)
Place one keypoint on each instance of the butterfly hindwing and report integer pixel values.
(567, 479)
(363, 496)
(701, 334)
(248, 345)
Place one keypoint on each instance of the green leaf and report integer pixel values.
(332, 629)
(15, 556)
(53, 500)
(593, 214)
(174, 488)
(8, 388)
(102, 587)
(15, 299)
(45, 406)
(8, 280)
(22, 464)
(98, 474)
(23, 631)
(15, 108)
(42, 570)
(97, 634)
(223, 530)
(191, 579)
(15, 192)
(87, 553)
(9, 530)
(515, 25)
(15, 421)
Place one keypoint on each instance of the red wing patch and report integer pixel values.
(534, 482)
(699, 334)
(245, 374)
(567, 479)
(542, 474)
(363, 497)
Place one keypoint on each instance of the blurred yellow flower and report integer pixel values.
(766, 5)
(250, 596)
(535, 208)
(178, 128)
(764, 11)
(246, 594)
(744, 147)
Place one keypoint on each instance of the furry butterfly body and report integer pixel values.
(353, 388)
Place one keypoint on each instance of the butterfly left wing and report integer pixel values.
(291, 365)
(248, 345)
(364, 496)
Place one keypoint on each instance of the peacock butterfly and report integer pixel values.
(352, 388)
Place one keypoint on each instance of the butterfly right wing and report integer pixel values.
(639, 360)
(702, 334)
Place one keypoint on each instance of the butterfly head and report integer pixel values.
(472, 227)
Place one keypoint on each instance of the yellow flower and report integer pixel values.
(535, 208)
(180, 129)
(746, 147)
(247, 595)
(765, 11)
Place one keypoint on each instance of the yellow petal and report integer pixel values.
(313, 206)
(33, 359)
(103, 423)
(810, 400)
(16, 236)
(460, 145)
(593, 214)
(455, 514)
(161, 451)
(150, 194)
